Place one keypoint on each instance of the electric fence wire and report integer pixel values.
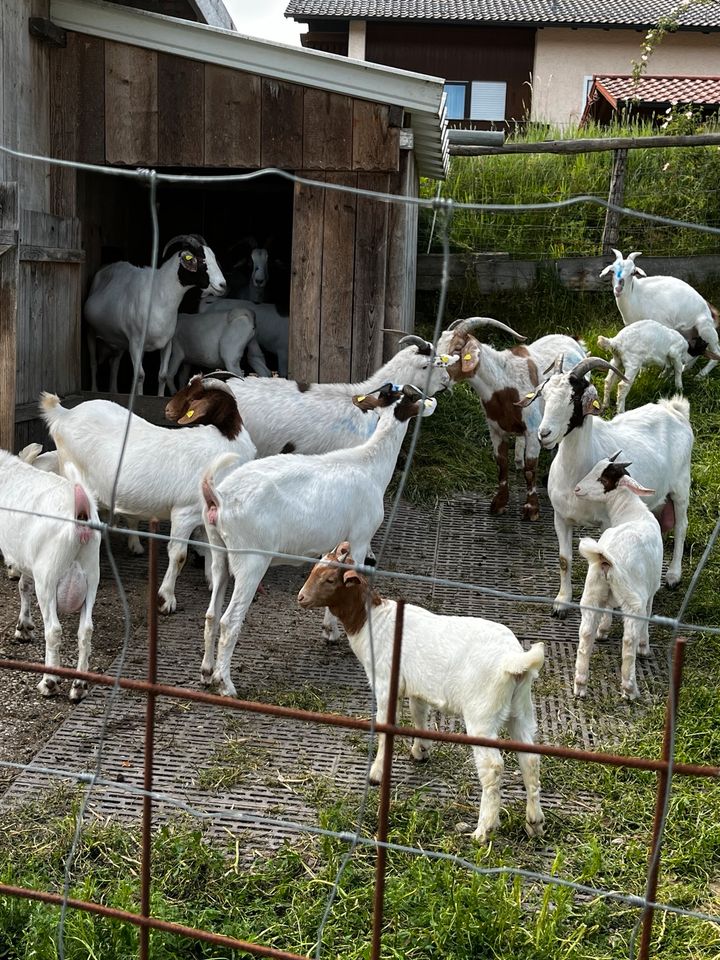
(446, 208)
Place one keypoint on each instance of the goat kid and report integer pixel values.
(125, 299)
(660, 436)
(161, 468)
(297, 505)
(500, 378)
(668, 300)
(215, 340)
(55, 552)
(645, 343)
(478, 671)
(624, 569)
(271, 332)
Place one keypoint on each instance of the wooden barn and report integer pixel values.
(122, 88)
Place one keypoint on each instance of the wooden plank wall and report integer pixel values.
(160, 110)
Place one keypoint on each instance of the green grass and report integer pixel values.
(674, 182)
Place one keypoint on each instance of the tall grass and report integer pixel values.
(682, 183)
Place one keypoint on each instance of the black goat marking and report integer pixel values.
(697, 347)
(302, 386)
(610, 477)
(578, 386)
(288, 448)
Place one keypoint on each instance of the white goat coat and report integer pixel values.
(161, 468)
(322, 417)
(213, 341)
(271, 330)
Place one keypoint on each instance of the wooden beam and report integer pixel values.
(46, 31)
(31, 251)
(590, 145)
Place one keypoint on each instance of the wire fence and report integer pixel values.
(665, 766)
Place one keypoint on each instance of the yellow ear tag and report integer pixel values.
(468, 356)
(445, 358)
(189, 413)
(596, 404)
(360, 398)
(529, 396)
(188, 256)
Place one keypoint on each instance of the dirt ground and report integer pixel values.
(28, 720)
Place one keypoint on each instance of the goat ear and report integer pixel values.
(608, 268)
(469, 356)
(627, 481)
(590, 403)
(365, 403)
(195, 410)
(188, 260)
(639, 271)
(351, 578)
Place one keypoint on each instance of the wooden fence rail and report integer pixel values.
(496, 272)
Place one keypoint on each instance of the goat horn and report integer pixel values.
(424, 346)
(614, 457)
(192, 238)
(464, 326)
(636, 253)
(592, 363)
(556, 366)
(223, 375)
(618, 253)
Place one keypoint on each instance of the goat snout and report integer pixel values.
(303, 599)
(544, 436)
(618, 287)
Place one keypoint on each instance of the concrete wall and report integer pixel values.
(563, 58)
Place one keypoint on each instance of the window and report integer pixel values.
(587, 84)
(476, 100)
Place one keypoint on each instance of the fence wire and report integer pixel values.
(443, 210)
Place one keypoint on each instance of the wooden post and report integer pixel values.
(616, 194)
(9, 266)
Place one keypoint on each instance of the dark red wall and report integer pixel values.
(460, 53)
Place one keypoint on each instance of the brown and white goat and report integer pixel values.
(461, 665)
(501, 378)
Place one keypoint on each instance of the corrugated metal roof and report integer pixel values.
(421, 95)
(696, 90)
(631, 13)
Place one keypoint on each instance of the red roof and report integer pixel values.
(697, 90)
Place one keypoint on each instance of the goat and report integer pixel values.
(134, 308)
(53, 550)
(479, 671)
(500, 378)
(283, 416)
(296, 505)
(271, 332)
(660, 436)
(625, 568)
(668, 300)
(161, 468)
(218, 340)
(645, 343)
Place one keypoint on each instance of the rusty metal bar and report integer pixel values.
(153, 923)
(384, 804)
(660, 799)
(146, 855)
(355, 723)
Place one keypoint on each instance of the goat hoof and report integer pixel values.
(167, 604)
(672, 583)
(206, 677)
(580, 690)
(631, 694)
(78, 690)
(559, 612)
(535, 828)
(484, 834)
(375, 779)
(25, 632)
(530, 513)
(498, 509)
(48, 687)
(422, 756)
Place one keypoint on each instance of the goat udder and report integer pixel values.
(72, 589)
(666, 517)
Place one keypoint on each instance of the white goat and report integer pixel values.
(60, 558)
(271, 331)
(254, 289)
(668, 300)
(296, 505)
(118, 305)
(660, 436)
(645, 343)
(161, 468)
(625, 568)
(478, 671)
(500, 378)
(215, 340)
(283, 416)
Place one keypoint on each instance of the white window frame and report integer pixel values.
(499, 91)
(587, 87)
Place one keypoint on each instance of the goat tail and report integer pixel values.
(50, 409)
(526, 664)
(208, 489)
(592, 551)
(606, 343)
(677, 405)
(84, 502)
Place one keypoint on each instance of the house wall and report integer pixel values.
(459, 53)
(563, 58)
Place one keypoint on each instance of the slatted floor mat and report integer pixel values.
(277, 764)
